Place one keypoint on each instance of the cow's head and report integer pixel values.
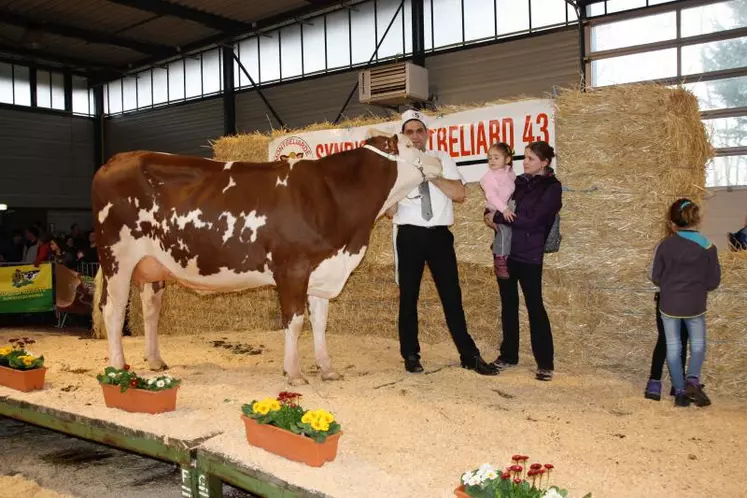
(413, 165)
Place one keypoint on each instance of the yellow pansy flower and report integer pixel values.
(274, 405)
(261, 407)
(307, 418)
(27, 360)
(326, 416)
(5, 350)
(319, 425)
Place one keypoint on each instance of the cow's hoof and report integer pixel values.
(157, 365)
(332, 375)
(297, 381)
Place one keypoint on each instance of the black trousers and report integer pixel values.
(529, 276)
(660, 350)
(417, 246)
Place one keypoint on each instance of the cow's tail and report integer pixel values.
(99, 330)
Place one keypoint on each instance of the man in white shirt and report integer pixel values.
(423, 236)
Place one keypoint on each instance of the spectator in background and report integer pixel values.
(32, 245)
(79, 240)
(43, 251)
(60, 256)
(90, 254)
(14, 252)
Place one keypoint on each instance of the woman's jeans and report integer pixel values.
(697, 331)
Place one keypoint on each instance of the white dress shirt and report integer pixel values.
(409, 209)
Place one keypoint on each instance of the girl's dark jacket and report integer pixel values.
(538, 199)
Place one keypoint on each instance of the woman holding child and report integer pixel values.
(538, 198)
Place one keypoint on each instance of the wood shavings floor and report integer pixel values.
(414, 435)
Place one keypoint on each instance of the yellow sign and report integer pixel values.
(26, 288)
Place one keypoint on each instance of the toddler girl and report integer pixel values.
(498, 185)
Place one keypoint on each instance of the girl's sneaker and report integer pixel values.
(681, 399)
(501, 365)
(653, 390)
(694, 391)
(500, 266)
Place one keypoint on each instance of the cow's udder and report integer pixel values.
(149, 270)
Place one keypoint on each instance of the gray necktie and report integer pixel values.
(425, 201)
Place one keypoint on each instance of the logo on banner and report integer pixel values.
(293, 147)
(23, 278)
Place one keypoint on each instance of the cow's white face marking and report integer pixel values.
(252, 222)
(269, 256)
(408, 175)
(283, 182)
(231, 221)
(105, 212)
(191, 217)
(292, 162)
(328, 279)
(231, 183)
(228, 165)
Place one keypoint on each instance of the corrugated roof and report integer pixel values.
(107, 33)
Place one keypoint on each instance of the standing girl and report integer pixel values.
(538, 197)
(498, 185)
(685, 268)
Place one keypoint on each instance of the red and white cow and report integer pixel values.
(300, 225)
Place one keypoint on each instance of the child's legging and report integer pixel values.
(660, 350)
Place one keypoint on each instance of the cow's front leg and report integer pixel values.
(318, 308)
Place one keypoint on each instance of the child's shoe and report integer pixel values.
(681, 399)
(500, 266)
(694, 391)
(653, 390)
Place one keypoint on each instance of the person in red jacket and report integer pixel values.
(43, 253)
(538, 198)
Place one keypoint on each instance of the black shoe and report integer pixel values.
(412, 364)
(696, 394)
(544, 375)
(479, 365)
(501, 365)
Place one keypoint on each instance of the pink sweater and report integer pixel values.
(498, 185)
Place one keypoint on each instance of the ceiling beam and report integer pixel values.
(163, 8)
(262, 24)
(153, 49)
(78, 66)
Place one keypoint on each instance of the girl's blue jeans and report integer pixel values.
(696, 330)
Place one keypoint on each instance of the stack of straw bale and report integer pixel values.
(623, 155)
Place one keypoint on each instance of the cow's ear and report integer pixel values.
(283, 158)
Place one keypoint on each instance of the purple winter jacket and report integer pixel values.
(538, 199)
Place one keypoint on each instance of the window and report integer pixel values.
(447, 22)
(338, 39)
(6, 83)
(144, 89)
(249, 56)
(727, 171)
(547, 13)
(479, 19)
(720, 94)
(291, 56)
(58, 91)
(392, 44)
(193, 76)
(43, 89)
(728, 132)
(115, 97)
(636, 31)
(712, 18)
(129, 94)
(22, 86)
(714, 56)
(513, 16)
(269, 58)
(212, 72)
(635, 67)
(314, 58)
(81, 99)
(364, 32)
(160, 85)
(176, 80)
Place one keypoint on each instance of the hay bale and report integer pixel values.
(623, 155)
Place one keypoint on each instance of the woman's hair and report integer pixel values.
(543, 150)
(684, 213)
(504, 149)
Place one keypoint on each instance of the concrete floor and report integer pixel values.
(84, 469)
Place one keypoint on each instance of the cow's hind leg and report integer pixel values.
(151, 295)
(318, 308)
(291, 288)
(117, 288)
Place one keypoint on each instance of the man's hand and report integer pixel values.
(389, 213)
(454, 189)
(488, 219)
(509, 215)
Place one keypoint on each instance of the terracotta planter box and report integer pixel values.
(291, 446)
(460, 492)
(140, 400)
(23, 380)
